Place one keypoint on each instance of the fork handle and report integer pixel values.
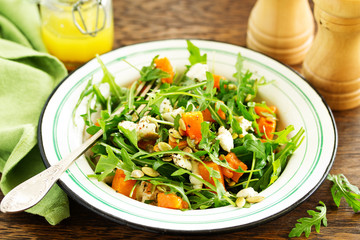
(30, 192)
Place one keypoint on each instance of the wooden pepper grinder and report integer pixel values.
(282, 29)
(332, 64)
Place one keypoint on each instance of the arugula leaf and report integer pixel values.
(176, 121)
(257, 147)
(131, 135)
(106, 164)
(244, 112)
(126, 164)
(110, 79)
(87, 116)
(276, 171)
(235, 125)
(282, 156)
(120, 142)
(152, 74)
(93, 129)
(131, 95)
(87, 90)
(239, 67)
(179, 172)
(207, 136)
(99, 97)
(282, 135)
(210, 90)
(305, 224)
(195, 56)
(342, 188)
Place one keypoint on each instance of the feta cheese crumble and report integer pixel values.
(170, 116)
(182, 161)
(244, 124)
(225, 138)
(198, 71)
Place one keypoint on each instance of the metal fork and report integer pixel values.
(30, 192)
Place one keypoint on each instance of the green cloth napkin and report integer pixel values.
(27, 77)
(20, 22)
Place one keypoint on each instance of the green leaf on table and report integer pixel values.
(305, 224)
(342, 188)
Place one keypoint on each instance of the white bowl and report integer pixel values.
(298, 104)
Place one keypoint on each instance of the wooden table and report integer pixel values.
(226, 21)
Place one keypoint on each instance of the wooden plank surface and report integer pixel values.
(226, 21)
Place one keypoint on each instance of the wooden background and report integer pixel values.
(226, 21)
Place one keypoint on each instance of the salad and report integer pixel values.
(193, 140)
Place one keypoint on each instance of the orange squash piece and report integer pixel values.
(207, 115)
(217, 80)
(204, 173)
(259, 110)
(266, 125)
(164, 64)
(234, 163)
(122, 186)
(193, 122)
(171, 200)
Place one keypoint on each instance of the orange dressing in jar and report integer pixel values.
(76, 35)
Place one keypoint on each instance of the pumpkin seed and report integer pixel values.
(255, 199)
(247, 192)
(187, 150)
(137, 173)
(234, 135)
(190, 142)
(182, 124)
(108, 179)
(240, 202)
(182, 132)
(156, 148)
(134, 117)
(174, 133)
(150, 172)
(163, 146)
(231, 184)
(248, 97)
(167, 159)
(172, 139)
(232, 86)
(161, 188)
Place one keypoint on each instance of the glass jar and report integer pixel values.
(76, 30)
